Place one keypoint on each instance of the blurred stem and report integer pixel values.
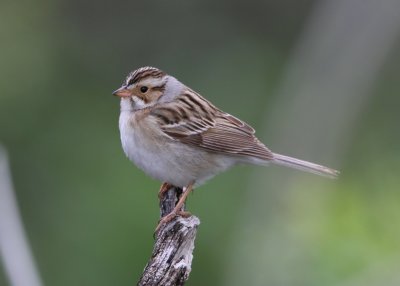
(14, 248)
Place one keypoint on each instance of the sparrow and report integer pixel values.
(180, 138)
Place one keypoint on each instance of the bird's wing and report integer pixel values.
(193, 120)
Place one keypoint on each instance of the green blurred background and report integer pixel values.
(317, 79)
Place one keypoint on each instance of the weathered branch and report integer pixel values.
(170, 263)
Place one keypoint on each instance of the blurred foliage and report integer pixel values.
(90, 214)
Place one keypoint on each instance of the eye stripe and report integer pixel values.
(159, 88)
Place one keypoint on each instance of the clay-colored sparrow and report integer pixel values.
(178, 137)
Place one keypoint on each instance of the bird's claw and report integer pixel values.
(168, 218)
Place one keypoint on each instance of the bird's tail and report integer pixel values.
(304, 166)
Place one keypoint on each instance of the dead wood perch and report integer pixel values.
(171, 260)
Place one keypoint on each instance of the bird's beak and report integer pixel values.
(122, 92)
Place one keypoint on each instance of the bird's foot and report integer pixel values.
(177, 209)
(169, 217)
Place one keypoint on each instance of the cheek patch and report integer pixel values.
(154, 96)
(143, 98)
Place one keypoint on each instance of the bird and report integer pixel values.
(180, 138)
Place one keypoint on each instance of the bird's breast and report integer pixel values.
(163, 158)
(150, 150)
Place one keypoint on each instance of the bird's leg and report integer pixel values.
(163, 189)
(177, 209)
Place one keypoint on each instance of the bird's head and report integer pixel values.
(142, 88)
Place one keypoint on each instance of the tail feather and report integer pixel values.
(304, 166)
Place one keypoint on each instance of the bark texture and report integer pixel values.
(171, 260)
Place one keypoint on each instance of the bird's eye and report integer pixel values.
(143, 89)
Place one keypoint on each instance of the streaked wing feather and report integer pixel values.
(212, 130)
(229, 139)
(237, 123)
